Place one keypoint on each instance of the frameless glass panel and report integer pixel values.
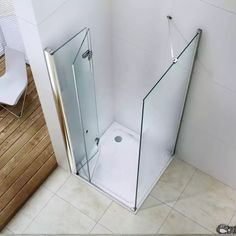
(162, 113)
(64, 58)
(85, 87)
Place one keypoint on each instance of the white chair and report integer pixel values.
(13, 84)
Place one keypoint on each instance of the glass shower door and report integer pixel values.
(82, 68)
(162, 113)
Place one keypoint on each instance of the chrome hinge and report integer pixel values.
(97, 140)
(88, 54)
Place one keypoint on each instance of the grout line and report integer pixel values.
(232, 218)
(51, 14)
(218, 7)
(195, 171)
(76, 208)
(181, 213)
(39, 211)
(53, 195)
(172, 207)
(63, 183)
(102, 217)
(215, 80)
(158, 230)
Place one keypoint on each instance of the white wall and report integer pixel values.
(49, 24)
(208, 135)
(55, 30)
(139, 57)
(34, 49)
(141, 54)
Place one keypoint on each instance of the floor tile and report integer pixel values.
(173, 181)
(56, 179)
(88, 200)
(99, 229)
(6, 231)
(30, 210)
(207, 201)
(59, 217)
(35, 204)
(19, 223)
(146, 221)
(150, 202)
(232, 221)
(177, 223)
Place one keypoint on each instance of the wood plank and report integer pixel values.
(18, 178)
(24, 161)
(27, 191)
(8, 128)
(26, 154)
(33, 147)
(18, 139)
(9, 138)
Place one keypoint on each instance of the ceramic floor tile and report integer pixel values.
(232, 221)
(150, 202)
(56, 179)
(207, 201)
(99, 229)
(19, 223)
(30, 210)
(59, 217)
(177, 223)
(88, 200)
(35, 204)
(173, 181)
(146, 221)
(6, 231)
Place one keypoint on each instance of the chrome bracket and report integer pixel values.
(174, 59)
(88, 54)
(226, 229)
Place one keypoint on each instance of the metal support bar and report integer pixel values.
(174, 59)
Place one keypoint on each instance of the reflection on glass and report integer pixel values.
(85, 87)
(64, 58)
(162, 113)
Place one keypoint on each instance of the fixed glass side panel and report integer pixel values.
(63, 58)
(161, 118)
(85, 87)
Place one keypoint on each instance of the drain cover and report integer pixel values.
(118, 139)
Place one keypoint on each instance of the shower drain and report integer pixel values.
(118, 139)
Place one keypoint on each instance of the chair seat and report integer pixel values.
(14, 82)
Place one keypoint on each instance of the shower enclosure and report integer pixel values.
(120, 162)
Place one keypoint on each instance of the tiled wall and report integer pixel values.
(208, 135)
(49, 24)
(141, 54)
(79, 14)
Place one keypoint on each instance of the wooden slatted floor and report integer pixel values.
(26, 153)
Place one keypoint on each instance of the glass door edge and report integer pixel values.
(198, 34)
(52, 72)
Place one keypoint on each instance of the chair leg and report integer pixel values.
(22, 108)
